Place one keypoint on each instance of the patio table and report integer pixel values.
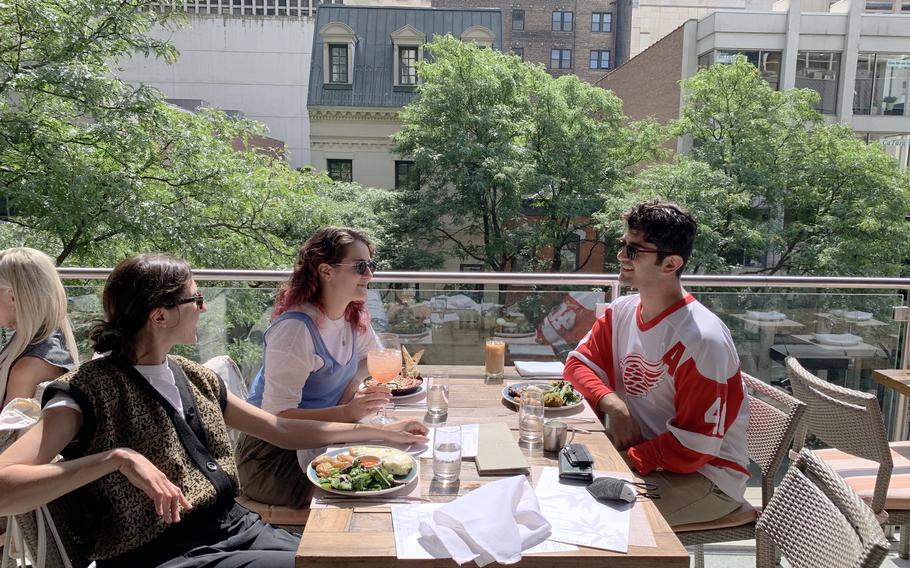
(897, 380)
(361, 534)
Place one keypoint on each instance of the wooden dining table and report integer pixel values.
(898, 380)
(357, 533)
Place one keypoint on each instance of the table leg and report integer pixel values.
(899, 424)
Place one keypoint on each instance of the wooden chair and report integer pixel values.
(815, 519)
(850, 422)
(773, 419)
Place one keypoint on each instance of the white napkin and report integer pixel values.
(493, 523)
(539, 368)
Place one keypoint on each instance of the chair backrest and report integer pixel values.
(772, 426)
(848, 420)
(817, 520)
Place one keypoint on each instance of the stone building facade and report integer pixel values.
(582, 37)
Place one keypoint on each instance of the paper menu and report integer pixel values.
(469, 437)
(578, 518)
(407, 518)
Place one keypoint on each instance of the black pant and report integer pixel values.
(252, 544)
(230, 539)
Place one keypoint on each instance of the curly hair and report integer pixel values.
(326, 246)
(666, 225)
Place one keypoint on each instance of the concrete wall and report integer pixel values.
(259, 65)
(654, 19)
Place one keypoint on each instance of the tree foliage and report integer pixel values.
(94, 169)
(770, 180)
(496, 141)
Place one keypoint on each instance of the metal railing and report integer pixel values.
(609, 282)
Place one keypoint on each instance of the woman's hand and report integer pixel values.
(406, 431)
(366, 402)
(142, 473)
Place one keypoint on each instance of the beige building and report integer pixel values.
(858, 62)
(363, 72)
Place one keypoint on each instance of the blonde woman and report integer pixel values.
(33, 303)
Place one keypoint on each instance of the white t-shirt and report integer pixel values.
(290, 356)
(159, 376)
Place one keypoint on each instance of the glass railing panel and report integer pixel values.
(840, 336)
(450, 323)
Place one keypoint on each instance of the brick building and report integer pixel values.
(582, 37)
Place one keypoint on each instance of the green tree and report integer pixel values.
(465, 132)
(580, 147)
(767, 176)
(94, 169)
(511, 163)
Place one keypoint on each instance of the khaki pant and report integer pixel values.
(687, 497)
(270, 474)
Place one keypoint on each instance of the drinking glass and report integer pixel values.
(384, 363)
(438, 395)
(495, 351)
(447, 453)
(438, 305)
(530, 418)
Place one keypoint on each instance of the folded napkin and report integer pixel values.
(539, 368)
(493, 523)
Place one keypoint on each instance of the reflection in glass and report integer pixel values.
(819, 70)
(882, 84)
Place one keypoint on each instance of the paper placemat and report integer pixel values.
(469, 437)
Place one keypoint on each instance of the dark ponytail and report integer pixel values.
(136, 286)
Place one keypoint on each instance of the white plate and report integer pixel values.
(765, 316)
(541, 384)
(838, 339)
(857, 316)
(405, 480)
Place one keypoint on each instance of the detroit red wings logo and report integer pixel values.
(639, 375)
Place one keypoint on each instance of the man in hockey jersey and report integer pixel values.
(664, 370)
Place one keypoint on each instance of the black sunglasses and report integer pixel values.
(632, 251)
(198, 298)
(360, 266)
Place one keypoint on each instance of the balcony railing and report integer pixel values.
(841, 328)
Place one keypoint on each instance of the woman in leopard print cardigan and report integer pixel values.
(148, 461)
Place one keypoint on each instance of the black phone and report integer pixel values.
(575, 463)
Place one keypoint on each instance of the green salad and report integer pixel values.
(562, 394)
(357, 478)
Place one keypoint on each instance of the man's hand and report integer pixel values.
(367, 401)
(624, 431)
(168, 498)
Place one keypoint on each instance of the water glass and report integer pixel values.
(447, 453)
(438, 395)
(530, 418)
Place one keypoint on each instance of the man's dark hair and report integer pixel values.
(668, 226)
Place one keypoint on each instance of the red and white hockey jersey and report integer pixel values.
(679, 376)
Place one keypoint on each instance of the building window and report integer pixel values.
(404, 173)
(882, 84)
(338, 57)
(341, 170)
(819, 70)
(518, 20)
(601, 22)
(519, 51)
(407, 46)
(560, 59)
(338, 41)
(562, 21)
(407, 65)
(767, 62)
(600, 59)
